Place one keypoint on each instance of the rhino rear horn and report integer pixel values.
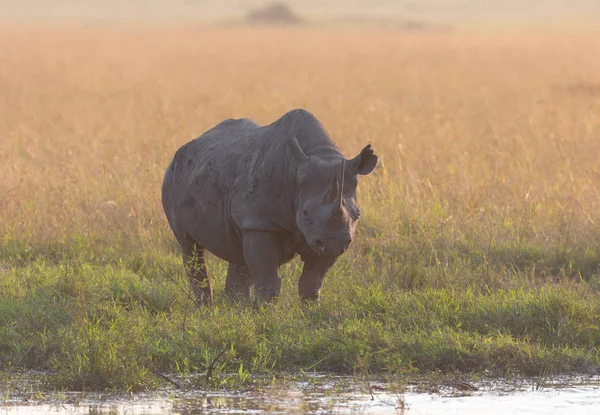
(365, 162)
(297, 151)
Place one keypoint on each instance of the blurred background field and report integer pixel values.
(478, 249)
(504, 12)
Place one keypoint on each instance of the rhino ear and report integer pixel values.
(297, 151)
(365, 162)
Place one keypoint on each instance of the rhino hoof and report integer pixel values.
(310, 299)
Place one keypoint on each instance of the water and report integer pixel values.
(343, 396)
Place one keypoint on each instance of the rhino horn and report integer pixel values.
(339, 191)
(340, 187)
(334, 194)
(331, 194)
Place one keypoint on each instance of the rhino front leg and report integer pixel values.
(261, 252)
(311, 280)
(238, 282)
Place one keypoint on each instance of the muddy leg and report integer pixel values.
(194, 259)
(313, 273)
(238, 282)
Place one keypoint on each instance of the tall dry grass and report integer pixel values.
(482, 137)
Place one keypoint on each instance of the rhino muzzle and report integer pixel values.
(335, 247)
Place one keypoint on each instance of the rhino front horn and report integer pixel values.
(340, 188)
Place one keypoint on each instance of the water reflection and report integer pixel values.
(342, 396)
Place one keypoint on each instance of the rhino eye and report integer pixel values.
(305, 213)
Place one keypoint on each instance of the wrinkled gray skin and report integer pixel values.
(257, 196)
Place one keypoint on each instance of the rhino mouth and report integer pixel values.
(321, 247)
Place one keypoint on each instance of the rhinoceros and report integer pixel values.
(257, 196)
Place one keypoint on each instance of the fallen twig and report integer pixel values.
(165, 377)
(212, 364)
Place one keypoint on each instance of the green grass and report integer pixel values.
(101, 321)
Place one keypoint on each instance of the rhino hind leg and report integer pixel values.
(194, 259)
(238, 283)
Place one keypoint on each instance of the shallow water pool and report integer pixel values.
(342, 396)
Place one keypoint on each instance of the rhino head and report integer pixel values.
(326, 205)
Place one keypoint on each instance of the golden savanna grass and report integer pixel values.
(478, 248)
(490, 135)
